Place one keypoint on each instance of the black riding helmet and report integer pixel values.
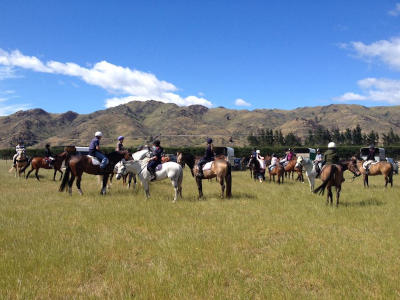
(209, 141)
(156, 143)
(47, 145)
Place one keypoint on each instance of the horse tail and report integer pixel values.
(27, 165)
(180, 179)
(228, 180)
(321, 188)
(65, 179)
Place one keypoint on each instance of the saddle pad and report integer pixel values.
(207, 166)
(159, 167)
(95, 161)
(261, 162)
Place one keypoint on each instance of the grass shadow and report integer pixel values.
(364, 203)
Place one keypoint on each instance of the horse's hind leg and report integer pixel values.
(338, 189)
(37, 174)
(29, 173)
(62, 173)
(104, 188)
(55, 173)
(78, 184)
(70, 182)
(222, 183)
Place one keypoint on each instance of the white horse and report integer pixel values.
(169, 170)
(309, 167)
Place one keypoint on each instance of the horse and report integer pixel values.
(221, 170)
(277, 170)
(290, 168)
(20, 163)
(309, 168)
(171, 170)
(380, 168)
(41, 162)
(83, 163)
(332, 175)
(186, 159)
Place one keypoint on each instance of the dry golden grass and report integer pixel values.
(268, 241)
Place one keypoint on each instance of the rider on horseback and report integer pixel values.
(94, 150)
(120, 146)
(318, 162)
(49, 155)
(209, 156)
(274, 161)
(289, 156)
(20, 148)
(370, 159)
(331, 156)
(155, 160)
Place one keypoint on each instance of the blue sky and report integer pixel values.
(88, 55)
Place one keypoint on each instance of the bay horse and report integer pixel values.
(380, 168)
(278, 170)
(291, 167)
(332, 175)
(188, 159)
(20, 164)
(83, 163)
(38, 162)
(221, 170)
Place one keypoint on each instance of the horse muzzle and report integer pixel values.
(118, 176)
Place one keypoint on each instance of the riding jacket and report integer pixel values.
(331, 157)
(371, 155)
(48, 153)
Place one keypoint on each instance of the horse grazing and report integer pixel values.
(221, 169)
(41, 162)
(186, 159)
(332, 175)
(78, 164)
(171, 170)
(277, 170)
(380, 168)
(20, 164)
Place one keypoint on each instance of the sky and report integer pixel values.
(90, 55)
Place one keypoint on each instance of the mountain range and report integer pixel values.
(141, 122)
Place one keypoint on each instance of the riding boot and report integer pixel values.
(153, 175)
(367, 171)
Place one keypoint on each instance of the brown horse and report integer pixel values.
(278, 170)
(41, 162)
(20, 164)
(332, 175)
(82, 163)
(291, 168)
(221, 169)
(381, 168)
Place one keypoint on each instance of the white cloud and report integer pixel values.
(5, 107)
(375, 89)
(388, 51)
(7, 72)
(395, 11)
(241, 102)
(130, 84)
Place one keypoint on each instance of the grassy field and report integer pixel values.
(268, 241)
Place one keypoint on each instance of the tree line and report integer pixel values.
(321, 136)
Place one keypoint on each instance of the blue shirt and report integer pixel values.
(92, 147)
(158, 153)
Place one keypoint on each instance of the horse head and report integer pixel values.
(299, 161)
(353, 167)
(120, 169)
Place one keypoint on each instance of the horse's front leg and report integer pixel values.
(222, 183)
(330, 195)
(62, 173)
(78, 184)
(54, 176)
(199, 186)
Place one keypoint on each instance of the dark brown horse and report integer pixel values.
(278, 170)
(381, 168)
(41, 162)
(221, 169)
(332, 175)
(82, 163)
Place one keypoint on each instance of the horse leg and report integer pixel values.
(29, 173)
(222, 183)
(146, 188)
(70, 182)
(78, 185)
(55, 172)
(36, 174)
(174, 182)
(338, 189)
(330, 194)
(199, 186)
(61, 173)
(104, 187)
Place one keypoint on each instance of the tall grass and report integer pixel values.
(267, 241)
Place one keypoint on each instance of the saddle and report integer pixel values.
(95, 160)
(159, 167)
(208, 166)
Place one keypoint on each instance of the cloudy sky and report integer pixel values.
(89, 55)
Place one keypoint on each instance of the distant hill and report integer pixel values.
(186, 126)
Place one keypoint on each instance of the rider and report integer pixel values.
(19, 149)
(274, 161)
(94, 149)
(120, 146)
(331, 156)
(48, 154)
(370, 159)
(318, 162)
(288, 157)
(209, 156)
(155, 160)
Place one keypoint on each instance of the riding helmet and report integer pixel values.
(120, 138)
(331, 145)
(47, 145)
(209, 141)
(156, 143)
(371, 146)
(98, 133)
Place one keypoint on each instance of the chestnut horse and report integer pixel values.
(40, 162)
(332, 175)
(278, 170)
(291, 168)
(78, 164)
(380, 168)
(221, 169)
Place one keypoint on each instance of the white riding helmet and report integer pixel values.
(258, 151)
(331, 145)
(98, 133)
